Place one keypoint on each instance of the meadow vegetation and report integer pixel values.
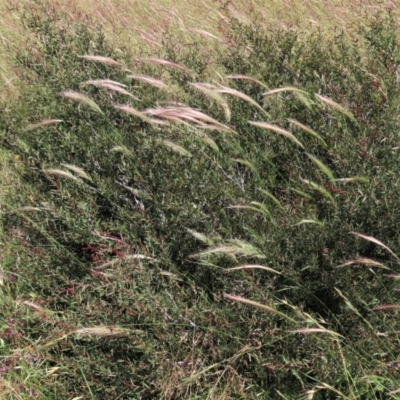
(200, 208)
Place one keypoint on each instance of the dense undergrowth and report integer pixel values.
(180, 223)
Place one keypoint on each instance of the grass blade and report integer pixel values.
(376, 241)
(150, 80)
(248, 164)
(263, 210)
(387, 307)
(317, 330)
(272, 197)
(61, 173)
(134, 112)
(336, 106)
(240, 95)
(283, 89)
(322, 167)
(362, 179)
(249, 78)
(322, 190)
(81, 98)
(177, 148)
(101, 59)
(210, 91)
(253, 266)
(254, 303)
(166, 63)
(308, 130)
(277, 129)
(78, 171)
(45, 122)
(310, 221)
(363, 261)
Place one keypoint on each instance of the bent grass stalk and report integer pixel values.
(45, 122)
(240, 95)
(253, 266)
(110, 85)
(277, 129)
(308, 130)
(101, 59)
(259, 305)
(158, 83)
(82, 98)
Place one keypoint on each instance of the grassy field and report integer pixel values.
(199, 200)
(140, 24)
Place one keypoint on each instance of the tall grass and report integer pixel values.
(196, 221)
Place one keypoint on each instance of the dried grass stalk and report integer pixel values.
(81, 98)
(253, 266)
(61, 173)
(101, 59)
(317, 330)
(122, 149)
(376, 241)
(235, 248)
(210, 91)
(45, 122)
(204, 33)
(393, 276)
(103, 331)
(78, 171)
(177, 148)
(253, 206)
(387, 307)
(158, 83)
(308, 130)
(310, 221)
(35, 306)
(166, 63)
(283, 89)
(336, 106)
(362, 179)
(187, 115)
(134, 112)
(254, 303)
(241, 95)
(27, 208)
(277, 129)
(200, 236)
(100, 82)
(249, 78)
(363, 261)
(111, 86)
